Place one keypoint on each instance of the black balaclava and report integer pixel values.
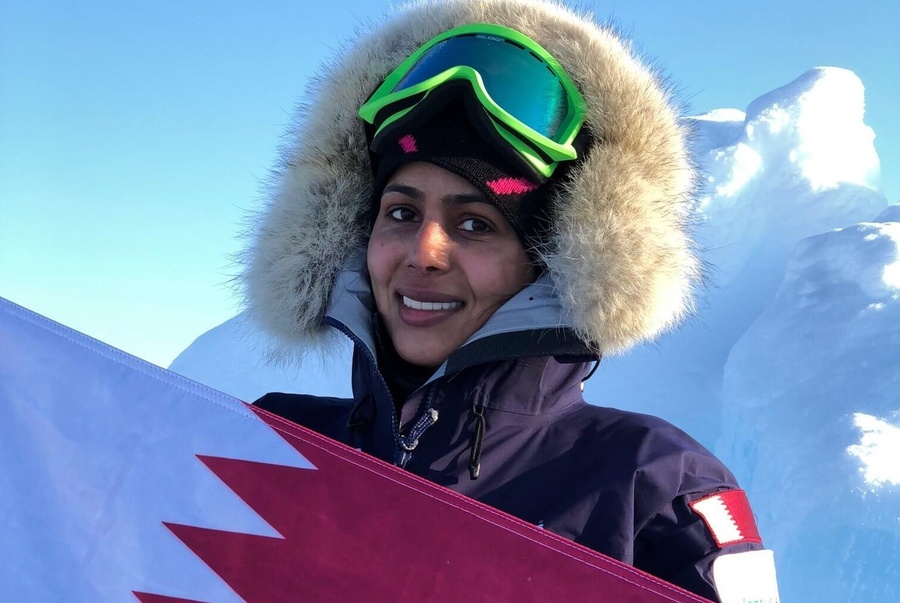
(449, 140)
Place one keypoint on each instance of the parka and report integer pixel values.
(503, 419)
(505, 423)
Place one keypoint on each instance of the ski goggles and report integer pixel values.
(532, 102)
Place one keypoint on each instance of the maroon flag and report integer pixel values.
(120, 477)
(358, 529)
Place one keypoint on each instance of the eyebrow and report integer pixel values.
(452, 199)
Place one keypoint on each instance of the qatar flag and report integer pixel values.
(122, 481)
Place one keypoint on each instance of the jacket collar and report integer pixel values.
(523, 387)
(529, 324)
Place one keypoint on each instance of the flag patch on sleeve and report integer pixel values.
(728, 517)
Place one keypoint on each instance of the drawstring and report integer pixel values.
(591, 373)
(477, 442)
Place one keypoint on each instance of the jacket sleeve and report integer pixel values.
(684, 541)
(677, 546)
(690, 513)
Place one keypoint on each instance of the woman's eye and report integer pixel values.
(402, 214)
(475, 225)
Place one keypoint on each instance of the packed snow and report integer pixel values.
(233, 358)
(791, 370)
(878, 450)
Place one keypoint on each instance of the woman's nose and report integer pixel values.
(431, 249)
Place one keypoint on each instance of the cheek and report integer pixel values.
(380, 262)
(500, 280)
(374, 261)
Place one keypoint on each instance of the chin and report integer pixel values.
(422, 355)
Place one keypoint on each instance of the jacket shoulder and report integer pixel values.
(662, 458)
(653, 435)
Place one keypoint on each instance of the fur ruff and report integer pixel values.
(621, 254)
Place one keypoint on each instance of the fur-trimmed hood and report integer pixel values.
(621, 258)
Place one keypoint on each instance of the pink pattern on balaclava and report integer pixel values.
(511, 186)
(408, 144)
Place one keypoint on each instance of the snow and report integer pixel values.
(232, 358)
(791, 370)
(877, 451)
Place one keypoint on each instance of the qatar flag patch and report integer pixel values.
(728, 517)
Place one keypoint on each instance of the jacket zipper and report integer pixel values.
(403, 445)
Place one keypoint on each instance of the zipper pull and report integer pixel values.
(407, 443)
(402, 457)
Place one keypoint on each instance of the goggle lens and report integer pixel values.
(515, 78)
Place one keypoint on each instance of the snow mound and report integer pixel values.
(804, 162)
(718, 128)
(891, 214)
(806, 394)
(232, 358)
(761, 194)
(833, 106)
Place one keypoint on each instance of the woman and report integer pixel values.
(486, 197)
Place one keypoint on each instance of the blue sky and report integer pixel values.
(134, 136)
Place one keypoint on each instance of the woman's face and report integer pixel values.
(441, 260)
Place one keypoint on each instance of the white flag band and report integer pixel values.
(746, 577)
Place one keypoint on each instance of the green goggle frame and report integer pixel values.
(533, 104)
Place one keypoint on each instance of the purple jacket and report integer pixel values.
(617, 482)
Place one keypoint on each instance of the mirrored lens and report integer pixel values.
(517, 80)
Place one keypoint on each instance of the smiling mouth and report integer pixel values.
(430, 306)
